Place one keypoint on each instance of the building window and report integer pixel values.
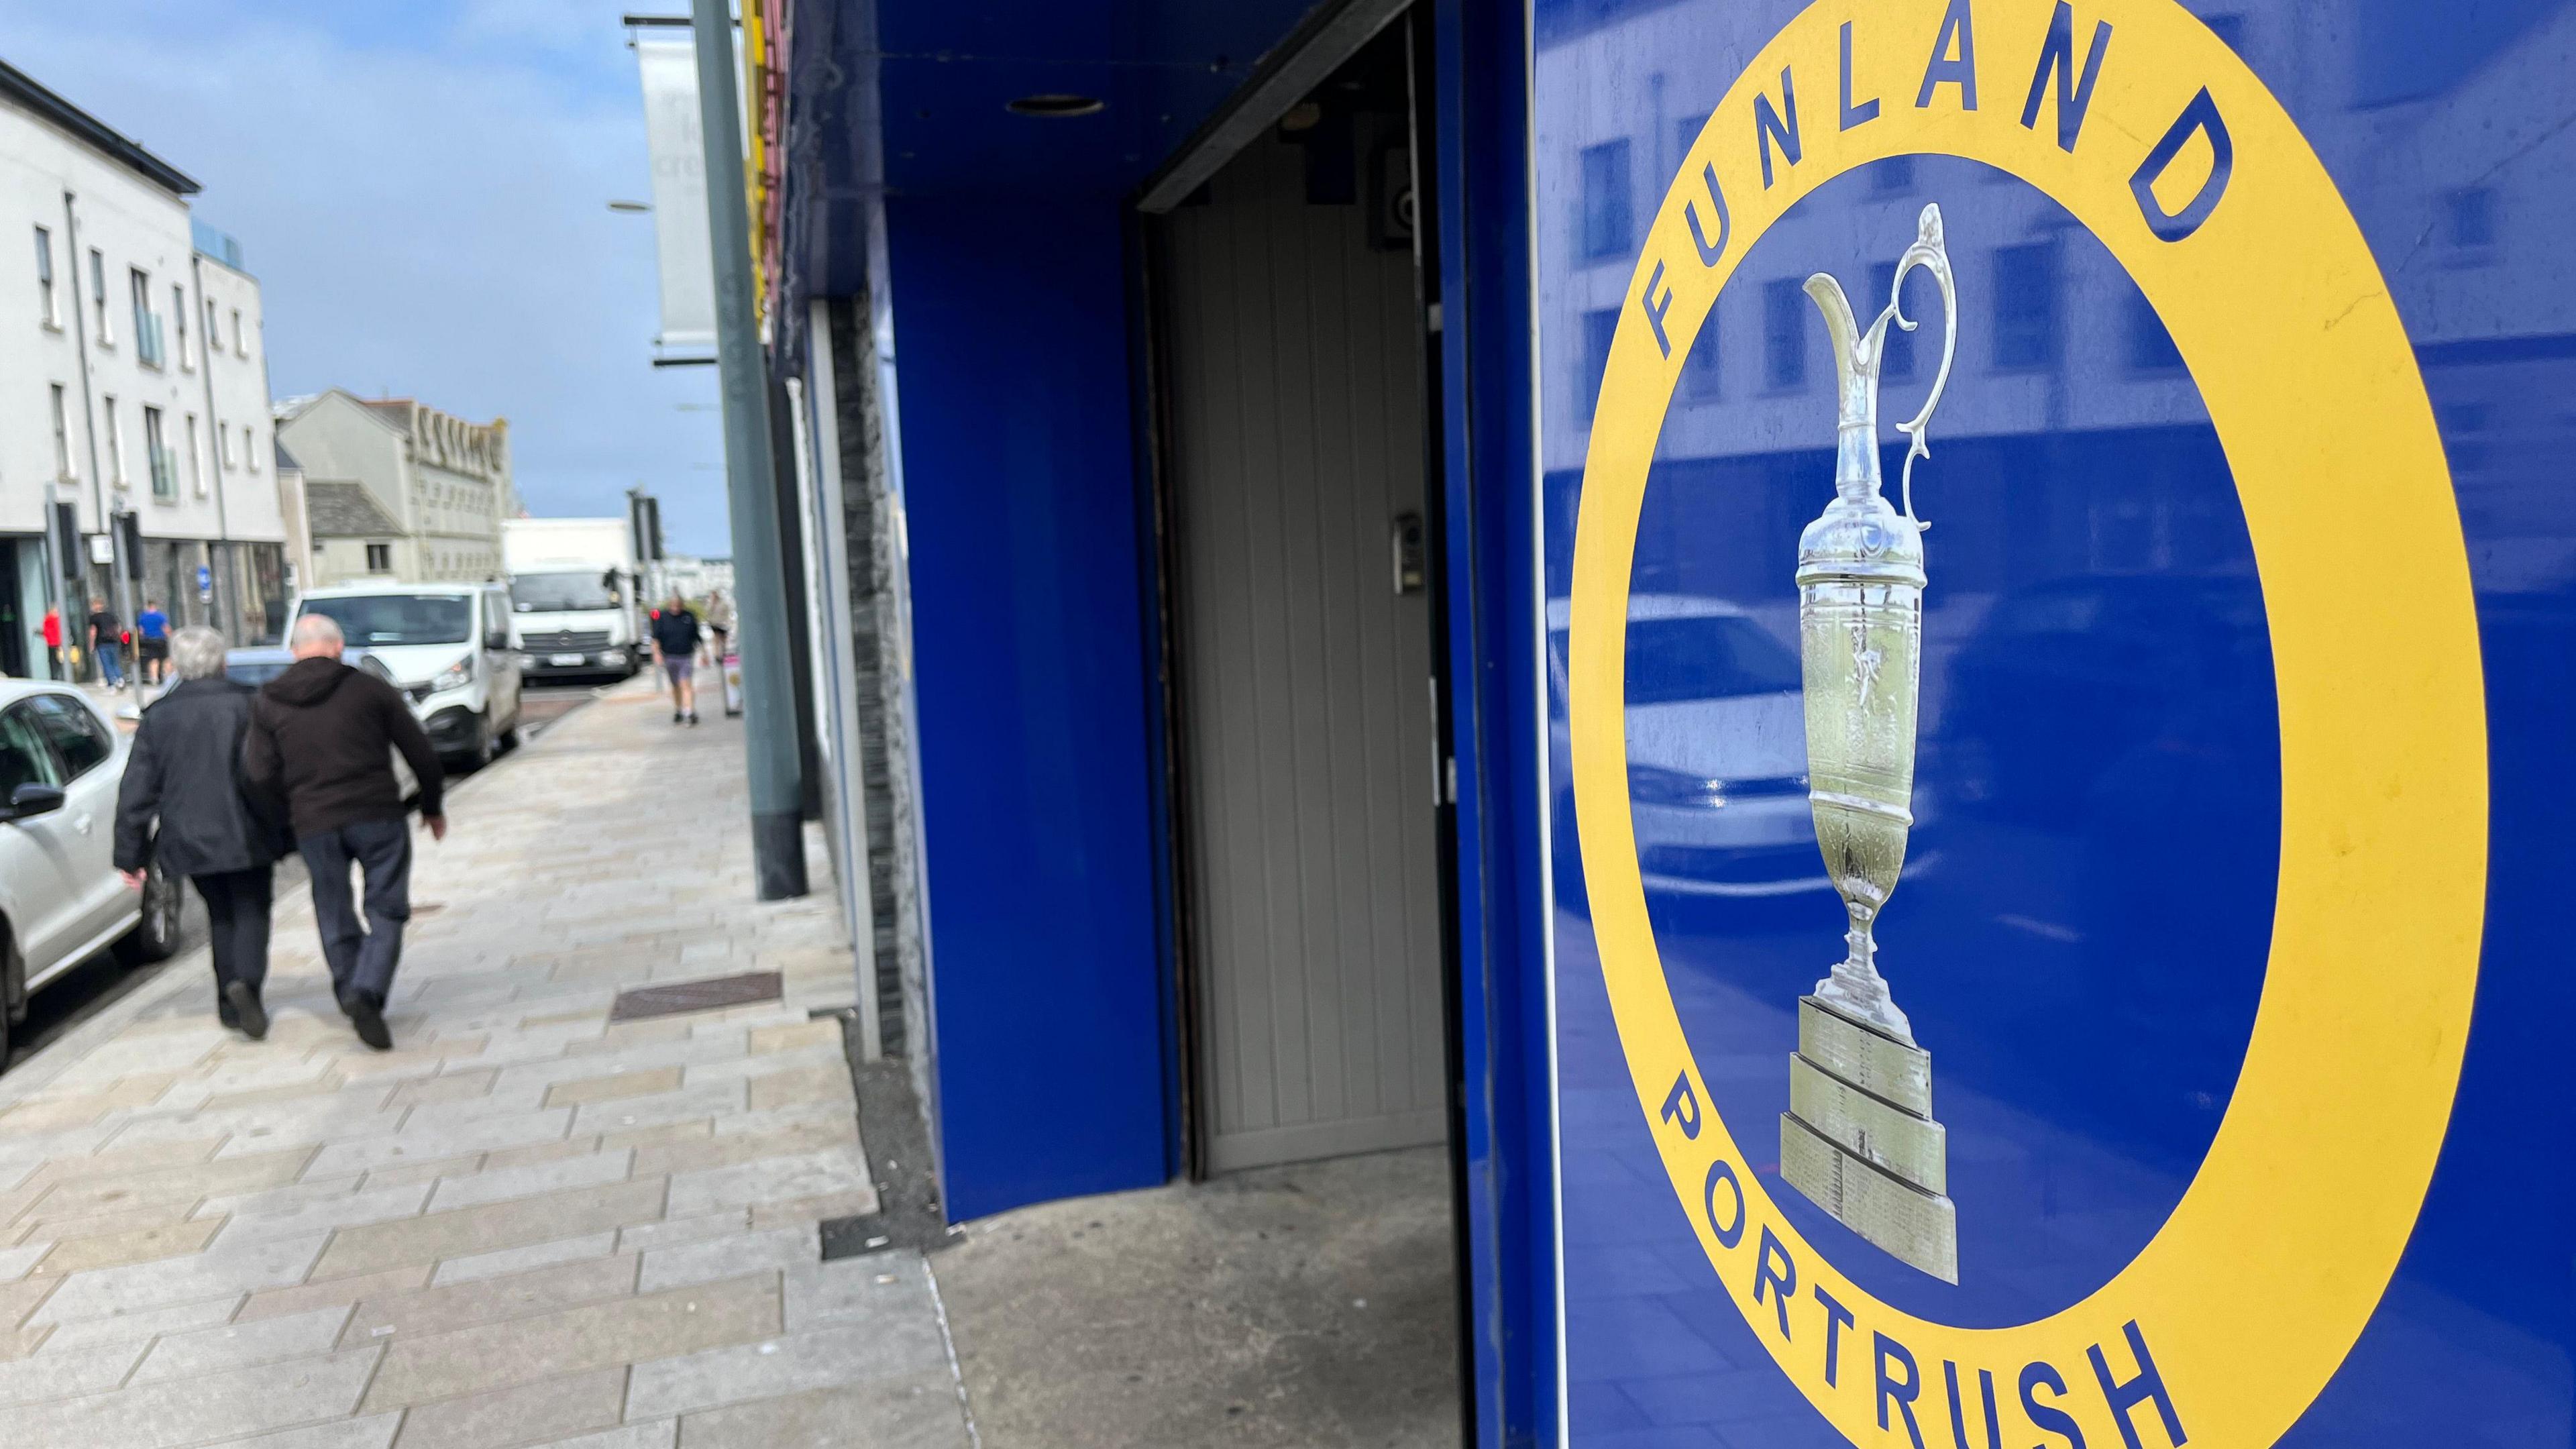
(1896, 354)
(250, 450)
(1598, 328)
(1606, 220)
(380, 558)
(179, 322)
(62, 438)
(196, 456)
(2026, 306)
(224, 443)
(2151, 347)
(48, 309)
(147, 323)
(1891, 176)
(214, 332)
(115, 442)
(241, 344)
(2469, 226)
(98, 297)
(1784, 335)
(1699, 368)
(165, 464)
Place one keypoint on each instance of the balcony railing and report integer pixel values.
(147, 338)
(165, 474)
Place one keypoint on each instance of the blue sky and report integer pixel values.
(421, 188)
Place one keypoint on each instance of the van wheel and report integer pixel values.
(156, 935)
(479, 753)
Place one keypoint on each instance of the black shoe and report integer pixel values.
(242, 1010)
(693, 716)
(366, 1014)
(677, 717)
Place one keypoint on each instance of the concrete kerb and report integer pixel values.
(31, 1076)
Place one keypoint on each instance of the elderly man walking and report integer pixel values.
(184, 802)
(324, 733)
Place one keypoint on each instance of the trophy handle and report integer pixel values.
(1931, 255)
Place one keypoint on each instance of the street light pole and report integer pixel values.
(751, 478)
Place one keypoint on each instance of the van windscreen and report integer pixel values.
(370, 621)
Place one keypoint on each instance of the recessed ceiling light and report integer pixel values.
(1056, 106)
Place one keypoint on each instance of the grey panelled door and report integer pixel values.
(1307, 730)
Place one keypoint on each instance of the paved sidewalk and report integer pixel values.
(523, 1226)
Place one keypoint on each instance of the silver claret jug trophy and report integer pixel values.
(1858, 1139)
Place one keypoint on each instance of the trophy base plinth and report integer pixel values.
(1911, 1147)
(1918, 1228)
(1863, 1057)
(1859, 1140)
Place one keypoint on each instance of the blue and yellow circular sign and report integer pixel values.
(2150, 131)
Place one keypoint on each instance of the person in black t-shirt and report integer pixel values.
(675, 648)
(107, 643)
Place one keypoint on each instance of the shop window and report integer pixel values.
(1607, 221)
(2469, 226)
(1784, 335)
(2025, 328)
(2151, 347)
(1700, 368)
(1598, 328)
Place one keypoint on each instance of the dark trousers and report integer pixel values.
(237, 903)
(362, 956)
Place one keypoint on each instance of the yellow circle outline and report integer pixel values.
(2255, 1288)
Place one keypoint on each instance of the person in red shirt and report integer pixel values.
(54, 639)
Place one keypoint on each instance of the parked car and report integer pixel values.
(61, 901)
(447, 646)
(1717, 754)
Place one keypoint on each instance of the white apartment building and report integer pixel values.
(132, 381)
(396, 489)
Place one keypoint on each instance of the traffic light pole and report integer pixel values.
(751, 479)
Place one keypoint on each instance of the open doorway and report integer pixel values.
(1291, 341)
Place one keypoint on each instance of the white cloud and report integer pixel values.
(424, 205)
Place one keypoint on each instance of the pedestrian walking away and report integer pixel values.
(323, 735)
(53, 630)
(152, 642)
(675, 648)
(106, 643)
(185, 804)
(720, 623)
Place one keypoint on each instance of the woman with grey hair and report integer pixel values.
(183, 802)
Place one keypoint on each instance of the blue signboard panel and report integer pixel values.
(2052, 732)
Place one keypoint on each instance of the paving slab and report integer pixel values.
(521, 1227)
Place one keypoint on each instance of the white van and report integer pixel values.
(447, 647)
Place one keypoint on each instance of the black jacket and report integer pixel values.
(185, 770)
(323, 733)
(676, 630)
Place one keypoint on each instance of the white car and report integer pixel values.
(61, 901)
(1717, 752)
(446, 646)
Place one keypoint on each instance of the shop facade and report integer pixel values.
(1396, 575)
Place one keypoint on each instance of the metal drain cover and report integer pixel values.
(712, 994)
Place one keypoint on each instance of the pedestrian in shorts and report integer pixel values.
(675, 648)
(152, 642)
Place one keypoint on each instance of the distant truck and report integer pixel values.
(575, 598)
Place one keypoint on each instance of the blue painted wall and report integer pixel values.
(1030, 654)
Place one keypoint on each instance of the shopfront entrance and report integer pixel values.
(1289, 342)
